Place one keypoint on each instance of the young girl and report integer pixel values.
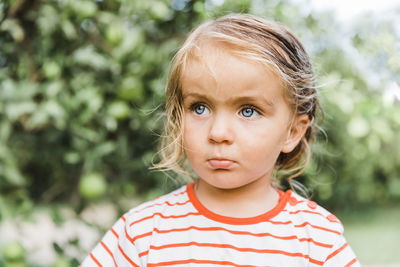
(241, 104)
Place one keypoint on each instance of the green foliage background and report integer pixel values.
(81, 98)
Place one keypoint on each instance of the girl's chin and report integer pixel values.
(224, 182)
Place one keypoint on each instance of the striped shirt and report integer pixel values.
(177, 230)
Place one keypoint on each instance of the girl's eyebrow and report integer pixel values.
(194, 95)
(252, 99)
(235, 100)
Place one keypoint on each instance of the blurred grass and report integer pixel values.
(374, 234)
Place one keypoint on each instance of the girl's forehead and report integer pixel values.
(211, 49)
(210, 61)
(210, 55)
(226, 71)
(213, 57)
(224, 74)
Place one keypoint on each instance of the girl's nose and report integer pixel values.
(221, 130)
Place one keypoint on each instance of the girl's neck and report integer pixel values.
(248, 201)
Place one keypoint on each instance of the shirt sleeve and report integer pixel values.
(341, 255)
(115, 249)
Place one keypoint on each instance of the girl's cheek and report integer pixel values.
(193, 125)
(197, 119)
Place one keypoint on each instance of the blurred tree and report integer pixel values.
(82, 88)
(79, 81)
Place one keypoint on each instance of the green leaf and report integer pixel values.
(12, 26)
(131, 89)
(87, 56)
(15, 110)
(119, 110)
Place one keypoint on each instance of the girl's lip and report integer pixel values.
(220, 163)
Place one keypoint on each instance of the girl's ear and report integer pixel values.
(296, 132)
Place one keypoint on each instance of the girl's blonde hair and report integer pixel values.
(263, 41)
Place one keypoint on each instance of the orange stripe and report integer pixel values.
(115, 233)
(294, 203)
(165, 217)
(127, 236)
(141, 236)
(275, 222)
(333, 254)
(351, 262)
(307, 211)
(95, 260)
(166, 202)
(126, 257)
(199, 262)
(235, 233)
(163, 203)
(123, 218)
(180, 193)
(109, 252)
(316, 242)
(318, 227)
(141, 254)
(133, 239)
(263, 251)
(315, 261)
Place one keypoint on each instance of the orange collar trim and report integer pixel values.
(283, 199)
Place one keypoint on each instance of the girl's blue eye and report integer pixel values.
(248, 112)
(200, 109)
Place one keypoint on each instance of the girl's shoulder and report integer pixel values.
(147, 215)
(158, 205)
(308, 213)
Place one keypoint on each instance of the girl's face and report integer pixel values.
(236, 120)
